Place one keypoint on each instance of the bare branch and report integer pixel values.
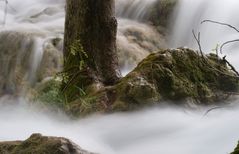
(230, 65)
(226, 43)
(214, 108)
(7, 5)
(220, 23)
(197, 38)
(5, 12)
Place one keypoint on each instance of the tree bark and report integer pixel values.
(93, 22)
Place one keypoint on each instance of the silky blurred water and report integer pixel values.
(190, 13)
(161, 129)
(164, 130)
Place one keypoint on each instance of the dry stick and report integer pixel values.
(197, 38)
(223, 24)
(229, 64)
(220, 23)
(214, 108)
(228, 42)
(5, 13)
(232, 93)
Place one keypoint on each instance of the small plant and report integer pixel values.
(50, 93)
(73, 74)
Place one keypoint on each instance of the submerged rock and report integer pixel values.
(175, 75)
(38, 144)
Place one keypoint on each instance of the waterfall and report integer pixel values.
(31, 51)
(133, 9)
(29, 26)
(136, 39)
(188, 16)
(43, 20)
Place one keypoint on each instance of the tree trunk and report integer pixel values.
(94, 24)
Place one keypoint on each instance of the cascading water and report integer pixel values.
(152, 131)
(135, 39)
(190, 13)
(133, 9)
(27, 28)
(165, 130)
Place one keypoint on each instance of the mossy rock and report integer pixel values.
(172, 75)
(38, 144)
(178, 75)
(236, 151)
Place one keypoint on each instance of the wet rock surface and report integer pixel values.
(175, 75)
(236, 150)
(38, 144)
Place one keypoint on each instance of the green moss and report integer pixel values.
(182, 73)
(38, 144)
(176, 75)
(49, 93)
(8, 146)
(236, 151)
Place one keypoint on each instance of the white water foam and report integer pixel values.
(152, 131)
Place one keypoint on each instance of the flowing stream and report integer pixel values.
(158, 130)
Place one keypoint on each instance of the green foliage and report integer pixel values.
(74, 77)
(77, 51)
(50, 93)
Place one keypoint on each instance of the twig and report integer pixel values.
(231, 93)
(214, 108)
(223, 24)
(5, 13)
(228, 42)
(197, 38)
(220, 23)
(230, 65)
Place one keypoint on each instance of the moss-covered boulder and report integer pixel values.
(38, 144)
(236, 150)
(175, 75)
